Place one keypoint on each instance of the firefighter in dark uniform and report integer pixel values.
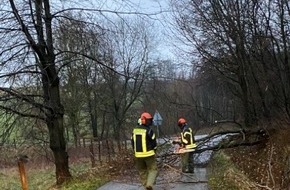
(187, 142)
(144, 146)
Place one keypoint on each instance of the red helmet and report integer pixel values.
(181, 122)
(145, 116)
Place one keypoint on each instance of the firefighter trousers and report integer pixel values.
(187, 162)
(147, 168)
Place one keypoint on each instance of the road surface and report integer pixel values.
(167, 179)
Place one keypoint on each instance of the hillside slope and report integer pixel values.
(263, 166)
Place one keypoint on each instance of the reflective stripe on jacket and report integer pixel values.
(143, 141)
(187, 138)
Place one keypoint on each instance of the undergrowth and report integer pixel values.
(259, 167)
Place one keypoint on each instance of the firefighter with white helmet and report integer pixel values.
(144, 146)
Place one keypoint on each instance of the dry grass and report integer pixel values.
(264, 166)
(40, 170)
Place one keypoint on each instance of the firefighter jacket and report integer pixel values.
(187, 138)
(143, 141)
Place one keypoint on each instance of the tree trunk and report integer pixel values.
(94, 125)
(93, 114)
(58, 147)
(56, 132)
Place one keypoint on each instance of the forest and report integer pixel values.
(73, 70)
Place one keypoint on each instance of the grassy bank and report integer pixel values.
(224, 175)
(262, 166)
(85, 178)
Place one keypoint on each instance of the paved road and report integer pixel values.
(167, 180)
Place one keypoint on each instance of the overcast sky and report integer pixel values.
(159, 10)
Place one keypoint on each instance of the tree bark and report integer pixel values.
(56, 132)
(58, 147)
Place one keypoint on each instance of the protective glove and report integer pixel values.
(176, 142)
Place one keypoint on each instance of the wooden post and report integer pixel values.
(99, 151)
(108, 150)
(126, 148)
(14, 143)
(92, 154)
(84, 142)
(21, 162)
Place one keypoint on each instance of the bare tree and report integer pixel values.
(75, 35)
(234, 42)
(26, 58)
(130, 49)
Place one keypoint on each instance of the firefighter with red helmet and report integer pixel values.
(144, 146)
(187, 142)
